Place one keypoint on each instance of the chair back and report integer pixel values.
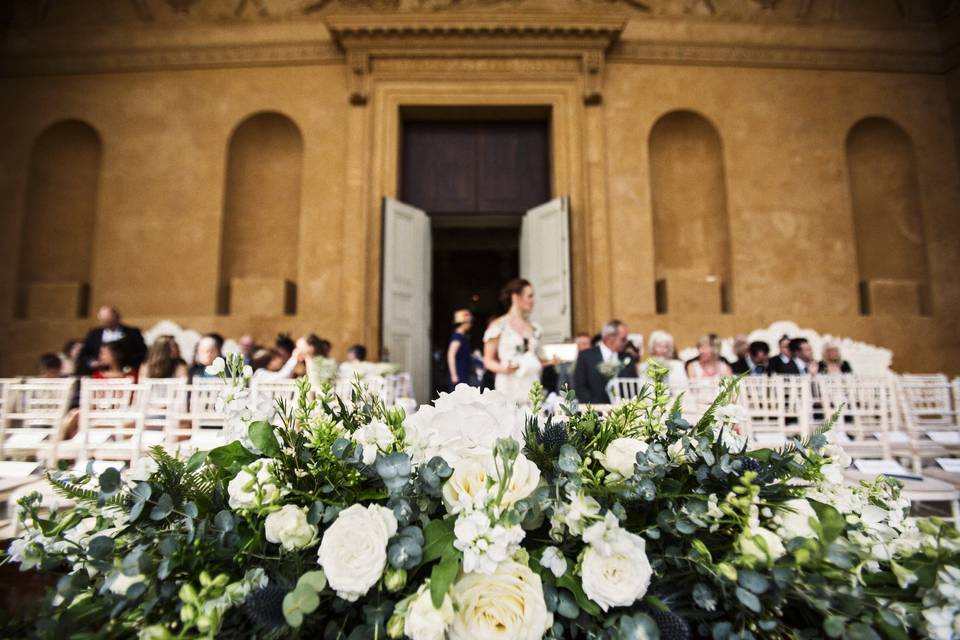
(31, 418)
(779, 408)
(112, 417)
(624, 389)
(266, 393)
(865, 406)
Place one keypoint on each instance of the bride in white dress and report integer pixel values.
(511, 344)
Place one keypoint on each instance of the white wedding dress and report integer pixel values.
(512, 348)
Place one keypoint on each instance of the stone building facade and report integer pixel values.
(728, 163)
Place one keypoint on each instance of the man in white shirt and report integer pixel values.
(111, 330)
(589, 379)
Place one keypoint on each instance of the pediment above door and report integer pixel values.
(412, 44)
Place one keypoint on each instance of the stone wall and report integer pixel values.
(735, 152)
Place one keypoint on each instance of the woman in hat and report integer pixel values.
(459, 351)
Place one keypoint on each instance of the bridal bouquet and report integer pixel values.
(472, 519)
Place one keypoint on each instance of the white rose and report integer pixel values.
(424, 621)
(219, 366)
(254, 486)
(750, 548)
(676, 453)
(462, 424)
(507, 605)
(620, 578)
(621, 456)
(373, 437)
(142, 469)
(467, 488)
(353, 551)
(289, 528)
(796, 522)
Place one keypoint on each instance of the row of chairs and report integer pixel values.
(906, 426)
(120, 420)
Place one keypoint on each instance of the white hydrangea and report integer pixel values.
(554, 560)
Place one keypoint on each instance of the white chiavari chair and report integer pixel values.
(166, 402)
(112, 416)
(33, 414)
(863, 429)
(622, 390)
(698, 395)
(3, 398)
(779, 408)
(204, 417)
(266, 393)
(929, 418)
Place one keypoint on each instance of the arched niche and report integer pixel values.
(887, 219)
(261, 218)
(690, 220)
(56, 247)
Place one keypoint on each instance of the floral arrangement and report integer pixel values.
(474, 519)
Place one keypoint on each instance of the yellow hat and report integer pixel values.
(462, 315)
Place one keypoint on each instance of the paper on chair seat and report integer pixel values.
(151, 438)
(10, 469)
(895, 437)
(878, 467)
(839, 436)
(201, 439)
(770, 439)
(949, 464)
(945, 437)
(25, 440)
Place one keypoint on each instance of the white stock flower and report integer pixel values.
(750, 548)
(142, 469)
(603, 534)
(796, 523)
(353, 551)
(676, 453)
(467, 489)
(423, 621)
(618, 578)
(462, 424)
(217, 367)
(554, 560)
(289, 528)
(621, 456)
(579, 512)
(373, 437)
(254, 486)
(837, 455)
(483, 544)
(507, 604)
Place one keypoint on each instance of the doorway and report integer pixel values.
(474, 212)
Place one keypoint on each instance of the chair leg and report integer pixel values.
(955, 510)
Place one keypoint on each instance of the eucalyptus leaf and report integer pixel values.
(101, 547)
(749, 600)
(109, 480)
(163, 508)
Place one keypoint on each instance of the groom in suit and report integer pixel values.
(110, 330)
(589, 382)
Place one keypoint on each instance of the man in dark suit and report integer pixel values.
(110, 330)
(782, 360)
(589, 381)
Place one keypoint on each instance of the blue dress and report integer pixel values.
(462, 360)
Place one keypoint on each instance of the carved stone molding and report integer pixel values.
(572, 44)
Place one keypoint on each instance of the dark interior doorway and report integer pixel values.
(475, 175)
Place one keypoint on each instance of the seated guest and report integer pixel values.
(164, 361)
(708, 363)
(51, 366)
(833, 363)
(113, 363)
(355, 363)
(110, 330)
(269, 364)
(321, 368)
(661, 347)
(758, 358)
(583, 341)
(69, 356)
(247, 346)
(206, 352)
(783, 359)
(741, 349)
(285, 345)
(597, 365)
(802, 362)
